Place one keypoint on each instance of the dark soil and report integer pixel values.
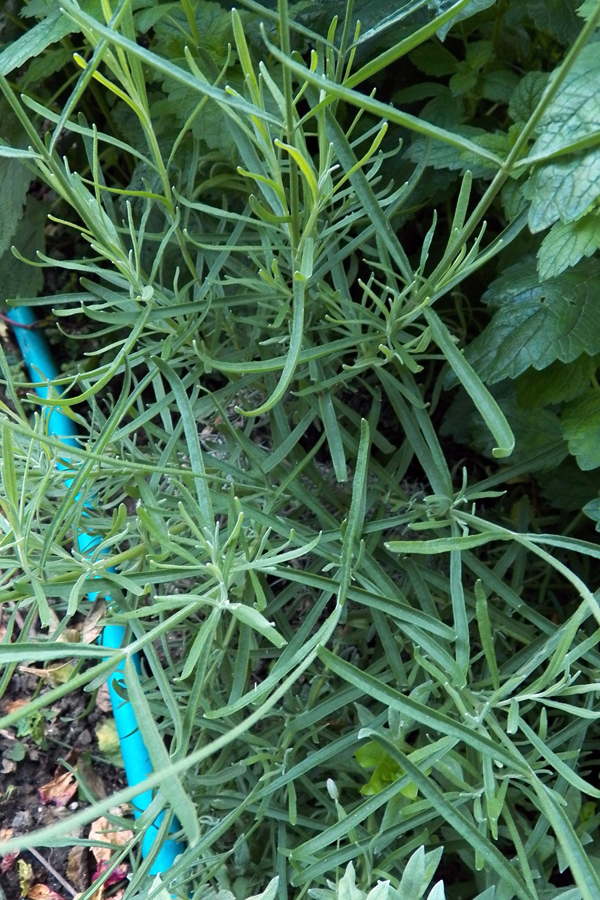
(43, 742)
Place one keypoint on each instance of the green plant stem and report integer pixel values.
(284, 37)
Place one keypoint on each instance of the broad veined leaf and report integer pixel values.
(433, 59)
(535, 430)
(536, 324)
(214, 30)
(587, 9)
(14, 181)
(566, 243)
(498, 85)
(447, 156)
(34, 42)
(17, 279)
(556, 17)
(563, 188)
(581, 428)
(592, 510)
(558, 383)
(527, 95)
(567, 486)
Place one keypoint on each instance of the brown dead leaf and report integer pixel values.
(103, 700)
(91, 625)
(8, 766)
(58, 791)
(78, 868)
(41, 892)
(12, 705)
(102, 830)
(58, 674)
(92, 779)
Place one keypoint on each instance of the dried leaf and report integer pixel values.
(103, 831)
(78, 868)
(91, 625)
(59, 674)
(92, 779)
(118, 874)
(13, 705)
(58, 791)
(8, 862)
(41, 892)
(103, 700)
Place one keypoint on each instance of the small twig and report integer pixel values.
(14, 324)
(68, 887)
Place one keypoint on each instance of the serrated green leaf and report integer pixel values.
(14, 181)
(209, 123)
(567, 487)
(566, 243)
(556, 17)
(527, 95)
(581, 427)
(536, 324)
(35, 41)
(172, 32)
(45, 65)
(462, 83)
(563, 189)
(498, 85)
(535, 430)
(587, 9)
(17, 279)
(558, 383)
(446, 156)
(433, 58)
(592, 510)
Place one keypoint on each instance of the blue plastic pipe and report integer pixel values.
(41, 368)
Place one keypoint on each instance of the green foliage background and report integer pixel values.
(328, 277)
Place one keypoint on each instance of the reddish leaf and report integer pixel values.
(8, 862)
(58, 791)
(119, 873)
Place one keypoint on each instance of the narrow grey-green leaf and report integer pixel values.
(481, 397)
(178, 798)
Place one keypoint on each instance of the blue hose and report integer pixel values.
(41, 368)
